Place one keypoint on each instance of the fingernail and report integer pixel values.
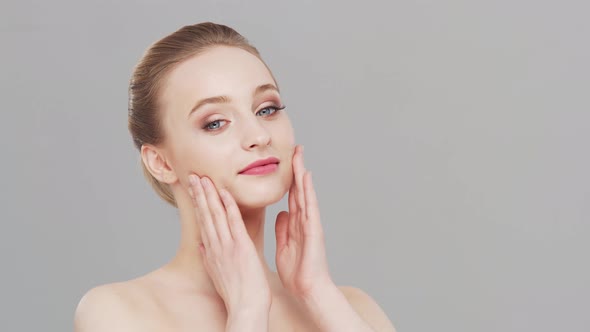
(192, 179)
(205, 182)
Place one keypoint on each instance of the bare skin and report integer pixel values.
(154, 302)
(228, 286)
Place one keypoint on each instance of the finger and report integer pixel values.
(235, 222)
(299, 170)
(217, 211)
(311, 201)
(281, 229)
(193, 180)
(202, 211)
(293, 209)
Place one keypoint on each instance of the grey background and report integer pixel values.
(448, 141)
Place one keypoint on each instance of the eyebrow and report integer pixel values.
(226, 99)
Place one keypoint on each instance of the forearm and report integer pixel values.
(247, 322)
(331, 312)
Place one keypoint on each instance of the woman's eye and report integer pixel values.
(213, 125)
(267, 111)
(270, 110)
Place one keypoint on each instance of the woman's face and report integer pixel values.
(218, 139)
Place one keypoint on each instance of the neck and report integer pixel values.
(187, 266)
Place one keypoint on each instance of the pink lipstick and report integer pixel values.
(262, 166)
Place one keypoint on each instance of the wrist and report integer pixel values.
(248, 310)
(319, 293)
(316, 297)
(248, 319)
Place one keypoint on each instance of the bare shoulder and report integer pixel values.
(108, 307)
(367, 308)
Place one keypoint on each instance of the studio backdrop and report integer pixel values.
(448, 142)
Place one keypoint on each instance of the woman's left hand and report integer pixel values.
(301, 254)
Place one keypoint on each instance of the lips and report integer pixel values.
(261, 162)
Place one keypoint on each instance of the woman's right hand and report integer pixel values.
(229, 255)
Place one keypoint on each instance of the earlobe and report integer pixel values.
(156, 164)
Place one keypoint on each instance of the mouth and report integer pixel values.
(260, 167)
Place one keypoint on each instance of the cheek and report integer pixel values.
(285, 142)
(212, 163)
(191, 157)
(288, 175)
(283, 133)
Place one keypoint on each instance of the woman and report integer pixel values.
(206, 114)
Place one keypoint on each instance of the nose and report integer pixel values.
(256, 134)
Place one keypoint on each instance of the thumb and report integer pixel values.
(281, 229)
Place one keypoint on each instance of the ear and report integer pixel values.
(157, 164)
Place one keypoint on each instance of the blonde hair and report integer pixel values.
(147, 77)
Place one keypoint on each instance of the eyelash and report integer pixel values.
(276, 110)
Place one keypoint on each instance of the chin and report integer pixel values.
(255, 192)
(260, 198)
(253, 196)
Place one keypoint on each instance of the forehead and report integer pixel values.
(221, 70)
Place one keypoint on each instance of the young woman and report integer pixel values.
(206, 115)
